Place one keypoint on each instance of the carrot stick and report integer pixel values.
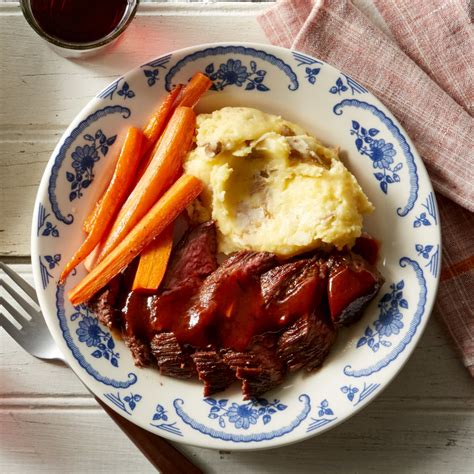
(157, 123)
(112, 200)
(91, 260)
(146, 160)
(89, 220)
(163, 170)
(153, 262)
(160, 216)
(187, 97)
(193, 90)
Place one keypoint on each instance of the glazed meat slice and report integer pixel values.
(139, 348)
(307, 342)
(212, 371)
(367, 247)
(233, 294)
(259, 368)
(294, 289)
(170, 358)
(136, 331)
(194, 257)
(104, 304)
(143, 316)
(352, 284)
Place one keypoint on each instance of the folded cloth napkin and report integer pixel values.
(422, 72)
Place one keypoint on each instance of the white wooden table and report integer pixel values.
(424, 422)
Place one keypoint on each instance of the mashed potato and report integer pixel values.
(272, 187)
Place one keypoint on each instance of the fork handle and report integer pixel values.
(162, 454)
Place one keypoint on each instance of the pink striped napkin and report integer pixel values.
(424, 76)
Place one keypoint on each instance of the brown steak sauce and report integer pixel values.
(235, 316)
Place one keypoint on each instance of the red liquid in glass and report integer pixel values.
(78, 21)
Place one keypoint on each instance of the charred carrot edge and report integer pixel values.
(113, 198)
(163, 170)
(153, 262)
(160, 216)
(157, 123)
(194, 90)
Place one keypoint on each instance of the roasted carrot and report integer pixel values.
(91, 260)
(178, 97)
(89, 220)
(163, 170)
(113, 198)
(193, 90)
(157, 123)
(160, 216)
(153, 262)
(146, 160)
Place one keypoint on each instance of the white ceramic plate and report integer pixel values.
(366, 356)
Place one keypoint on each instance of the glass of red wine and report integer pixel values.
(78, 27)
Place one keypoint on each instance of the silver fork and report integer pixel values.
(35, 338)
(34, 335)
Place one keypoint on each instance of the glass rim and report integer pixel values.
(128, 15)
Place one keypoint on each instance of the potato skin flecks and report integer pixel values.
(270, 186)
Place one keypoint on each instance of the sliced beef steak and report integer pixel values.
(352, 284)
(264, 317)
(294, 289)
(194, 257)
(139, 348)
(136, 330)
(232, 296)
(104, 304)
(191, 263)
(170, 357)
(212, 371)
(307, 342)
(259, 369)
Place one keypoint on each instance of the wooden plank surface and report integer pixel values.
(423, 422)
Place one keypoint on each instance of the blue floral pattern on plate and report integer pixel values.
(430, 253)
(152, 69)
(235, 73)
(390, 319)
(93, 335)
(160, 419)
(312, 67)
(380, 152)
(423, 219)
(46, 227)
(384, 151)
(125, 91)
(325, 416)
(82, 164)
(244, 419)
(357, 396)
(245, 414)
(234, 50)
(64, 325)
(83, 161)
(344, 83)
(390, 322)
(127, 404)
